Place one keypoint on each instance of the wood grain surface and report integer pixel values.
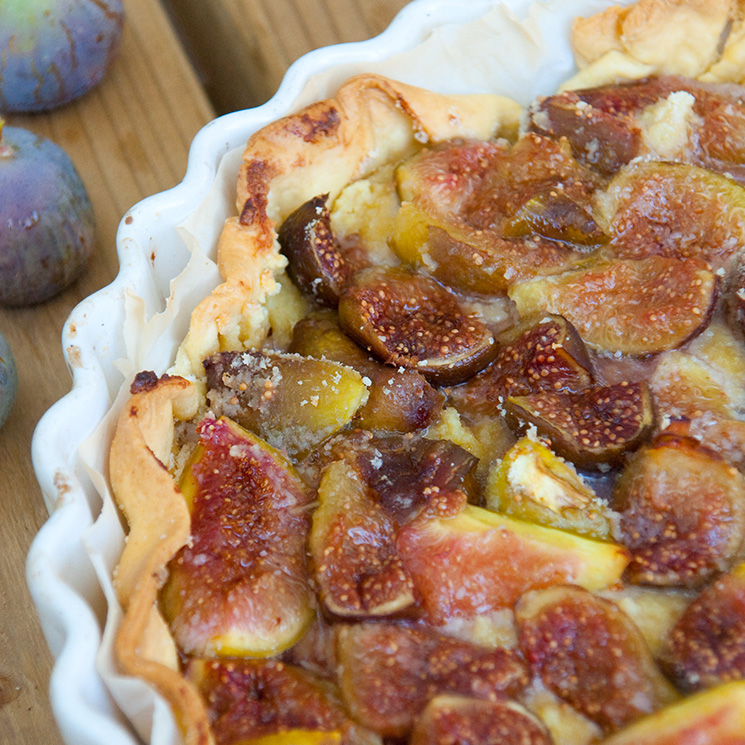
(181, 61)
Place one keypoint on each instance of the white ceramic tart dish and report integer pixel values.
(167, 247)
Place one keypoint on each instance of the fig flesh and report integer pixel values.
(635, 307)
(479, 561)
(48, 225)
(414, 322)
(246, 562)
(459, 720)
(594, 426)
(54, 52)
(591, 655)
(697, 213)
(389, 672)
(714, 717)
(706, 646)
(292, 402)
(542, 352)
(532, 484)
(315, 262)
(353, 548)
(270, 702)
(682, 512)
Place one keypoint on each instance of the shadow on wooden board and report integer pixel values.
(242, 48)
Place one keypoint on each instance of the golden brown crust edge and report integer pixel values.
(704, 39)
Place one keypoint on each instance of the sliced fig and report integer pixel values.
(598, 138)
(533, 484)
(734, 299)
(682, 512)
(414, 322)
(479, 561)
(706, 646)
(635, 307)
(591, 427)
(353, 548)
(409, 476)
(590, 654)
(399, 400)
(240, 586)
(267, 701)
(459, 720)
(315, 263)
(459, 217)
(697, 213)
(476, 260)
(389, 672)
(714, 717)
(554, 215)
(542, 352)
(292, 402)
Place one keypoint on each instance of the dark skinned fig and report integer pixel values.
(478, 561)
(246, 558)
(706, 646)
(8, 380)
(697, 213)
(414, 322)
(46, 219)
(399, 400)
(592, 427)
(292, 402)
(567, 115)
(389, 672)
(635, 307)
(542, 352)
(532, 483)
(270, 701)
(682, 511)
(353, 549)
(54, 52)
(315, 263)
(733, 299)
(714, 717)
(591, 655)
(460, 720)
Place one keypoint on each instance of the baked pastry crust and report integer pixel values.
(702, 39)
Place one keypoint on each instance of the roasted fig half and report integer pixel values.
(682, 512)
(389, 672)
(479, 561)
(315, 262)
(706, 646)
(246, 558)
(542, 352)
(635, 307)
(353, 548)
(414, 322)
(590, 654)
(461, 720)
(592, 427)
(292, 402)
(267, 701)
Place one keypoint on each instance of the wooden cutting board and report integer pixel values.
(181, 62)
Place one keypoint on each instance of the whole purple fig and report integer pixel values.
(46, 218)
(53, 51)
